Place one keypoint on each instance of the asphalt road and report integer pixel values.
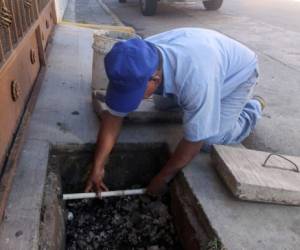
(281, 13)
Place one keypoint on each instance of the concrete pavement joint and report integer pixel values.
(279, 61)
(113, 15)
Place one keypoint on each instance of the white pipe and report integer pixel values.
(104, 194)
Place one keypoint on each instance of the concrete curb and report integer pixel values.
(122, 28)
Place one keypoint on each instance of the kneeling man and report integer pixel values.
(210, 76)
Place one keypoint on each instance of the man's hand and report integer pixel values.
(107, 136)
(157, 186)
(95, 181)
(183, 154)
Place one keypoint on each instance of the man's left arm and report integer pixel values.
(184, 153)
(200, 96)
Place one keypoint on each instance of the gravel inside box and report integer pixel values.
(132, 222)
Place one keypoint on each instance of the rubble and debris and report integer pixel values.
(140, 222)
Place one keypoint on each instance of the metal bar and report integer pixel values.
(54, 14)
(40, 5)
(20, 18)
(24, 16)
(10, 43)
(103, 194)
(2, 57)
(18, 22)
(36, 8)
(27, 7)
(30, 14)
(31, 11)
(4, 38)
(14, 25)
(6, 33)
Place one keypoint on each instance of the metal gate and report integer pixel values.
(16, 18)
(25, 27)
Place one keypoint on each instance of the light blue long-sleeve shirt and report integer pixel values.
(200, 68)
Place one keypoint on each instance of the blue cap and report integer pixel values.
(129, 66)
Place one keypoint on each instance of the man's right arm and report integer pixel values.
(107, 137)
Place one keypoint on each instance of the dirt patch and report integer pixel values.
(132, 222)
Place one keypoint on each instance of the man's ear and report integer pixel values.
(156, 79)
(151, 87)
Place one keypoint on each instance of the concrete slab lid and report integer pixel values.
(256, 175)
(240, 224)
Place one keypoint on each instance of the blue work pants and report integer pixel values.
(239, 113)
